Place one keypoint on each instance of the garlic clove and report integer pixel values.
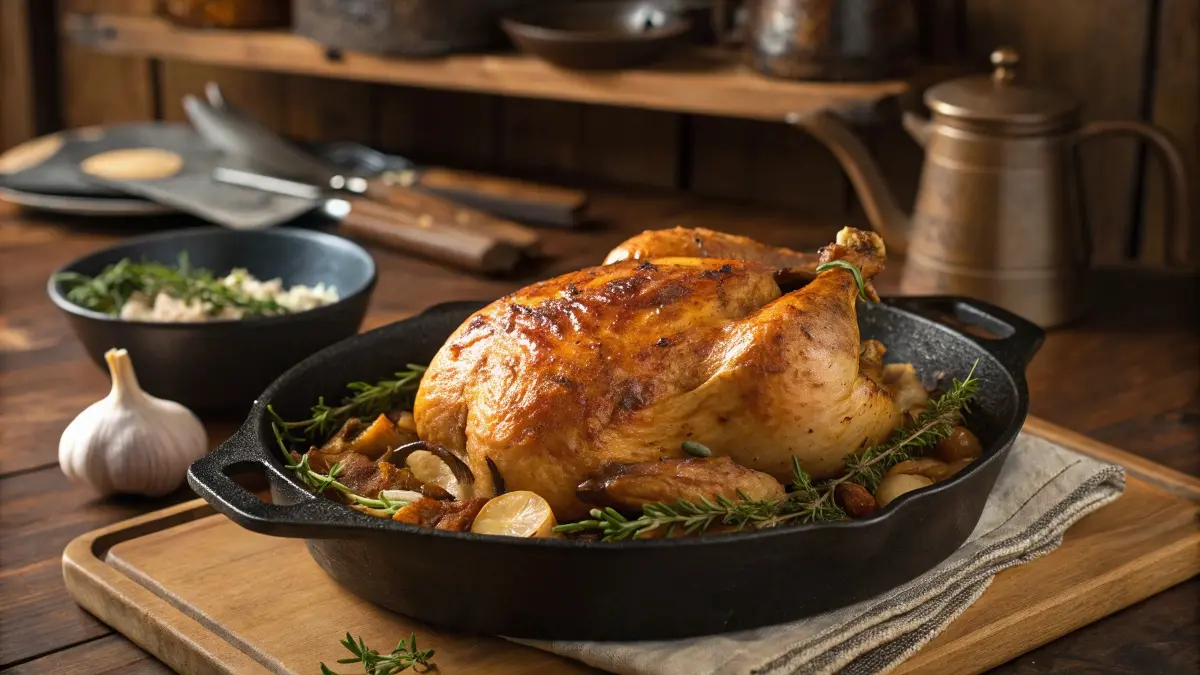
(131, 442)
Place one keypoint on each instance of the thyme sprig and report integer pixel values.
(108, 291)
(804, 505)
(691, 517)
(367, 400)
(319, 482)
(404, 656)
(858, 277)
(868, 467)
(808, 501)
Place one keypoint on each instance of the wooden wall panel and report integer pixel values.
(540, 137)
(262, 95)
(320, 109)
(720, 156)
(1176, 107)
(768, 163)
(1095, 51)
(100, 89)
(630, 147)
(17, 116)
(597, 143)
(445, 127)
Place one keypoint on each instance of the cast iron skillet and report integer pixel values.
(651, 589)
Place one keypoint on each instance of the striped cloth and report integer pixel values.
(1042, 490)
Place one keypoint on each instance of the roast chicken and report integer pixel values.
(584, 388)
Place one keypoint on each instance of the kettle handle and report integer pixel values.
(1179, 208)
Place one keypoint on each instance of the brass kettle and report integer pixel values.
(998, 214)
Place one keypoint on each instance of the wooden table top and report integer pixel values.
(1128, 374)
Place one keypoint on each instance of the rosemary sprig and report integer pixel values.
(808, 501)
(806, 505)
(404, 656)
(368, 400)
(868, 467)
(108, 291)
(319, 482)
(691, 517)
(858, 277)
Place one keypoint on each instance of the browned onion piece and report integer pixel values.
(458, 466)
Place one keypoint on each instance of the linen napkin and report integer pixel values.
(1042, 490)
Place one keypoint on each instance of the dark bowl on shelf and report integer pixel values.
(598, 35)
(222, 366)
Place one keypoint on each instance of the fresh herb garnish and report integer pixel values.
(108, 291)
(368, 400)
(319, 482)
(868, 467)
(808, 501)
(404, 656)
(858, 277)
(696, 449)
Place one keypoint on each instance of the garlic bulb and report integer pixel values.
(131, 442)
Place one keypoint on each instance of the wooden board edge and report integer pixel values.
(1164, 477)
(172, 636)
(1059, 615)
(187, 645)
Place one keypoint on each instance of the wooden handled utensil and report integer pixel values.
(508, 197)
(395, 228)
(442, 210)
(433, 234)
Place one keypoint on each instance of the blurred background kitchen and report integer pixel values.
(77, 63)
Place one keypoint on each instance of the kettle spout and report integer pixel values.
(885, 216)
(918, 127)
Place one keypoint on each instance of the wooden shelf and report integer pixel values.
(708, 82)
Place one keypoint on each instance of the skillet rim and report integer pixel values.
(355, 525)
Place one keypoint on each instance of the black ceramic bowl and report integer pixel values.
(632, 590)
(220, 367)
(598, 35)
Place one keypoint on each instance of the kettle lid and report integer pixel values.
(1001, 98)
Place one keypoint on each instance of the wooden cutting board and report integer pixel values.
(207, 596)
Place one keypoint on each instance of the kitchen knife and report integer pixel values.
(238, 134)
(388, 226)
(507, 197)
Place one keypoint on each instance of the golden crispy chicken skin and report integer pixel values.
(620, 364)
(698, 242)
(628, 487)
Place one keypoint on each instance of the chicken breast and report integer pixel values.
(620, 364)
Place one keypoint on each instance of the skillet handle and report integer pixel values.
(209, 477)
(1017, 339)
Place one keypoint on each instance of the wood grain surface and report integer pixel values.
(699, 81)
(17, 116)
(102, 88)
(1176, 108)
(189, 586)
(1126, 374)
